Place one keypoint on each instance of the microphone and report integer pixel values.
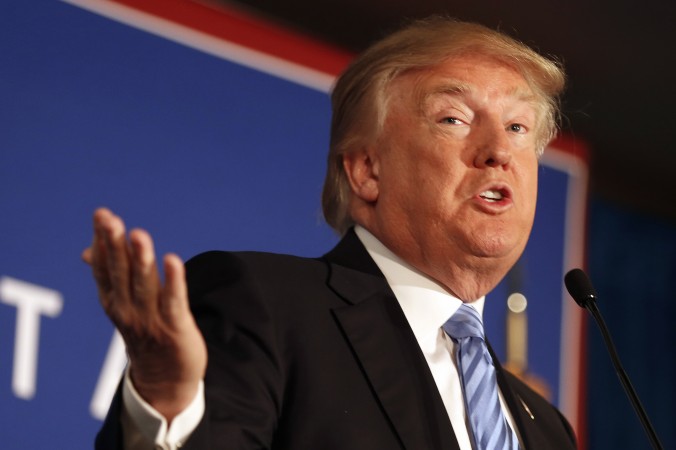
(580, 288)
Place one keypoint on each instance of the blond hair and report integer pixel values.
(360, 95)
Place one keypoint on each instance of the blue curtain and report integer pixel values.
(632, 263)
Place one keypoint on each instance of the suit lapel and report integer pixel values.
(383, 342)
(529, 426)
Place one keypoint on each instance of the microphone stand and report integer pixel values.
(580, 288)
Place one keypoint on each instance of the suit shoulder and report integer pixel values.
(210, 270)
(214, 262)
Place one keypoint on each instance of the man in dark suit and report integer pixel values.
(432, 181)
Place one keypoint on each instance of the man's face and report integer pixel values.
(456, 169)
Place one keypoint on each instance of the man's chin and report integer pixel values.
(495, 253)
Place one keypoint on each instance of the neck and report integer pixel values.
(466, 280)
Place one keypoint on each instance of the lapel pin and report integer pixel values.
(527, 409)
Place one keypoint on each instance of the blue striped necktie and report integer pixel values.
(477, 374)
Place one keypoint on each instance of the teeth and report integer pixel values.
(491, 195)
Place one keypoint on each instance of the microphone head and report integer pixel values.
(580, 288)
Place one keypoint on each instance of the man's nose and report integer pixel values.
(493, 148)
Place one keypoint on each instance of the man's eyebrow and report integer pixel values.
(451, 88)
(524, 94)
(459, 88)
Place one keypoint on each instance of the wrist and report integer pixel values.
(169, 398)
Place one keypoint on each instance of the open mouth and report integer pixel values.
(493, 195)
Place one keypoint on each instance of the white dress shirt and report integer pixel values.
(426, 306)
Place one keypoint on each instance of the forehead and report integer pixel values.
(479, 78)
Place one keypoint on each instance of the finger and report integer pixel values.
(86, 255)
(113, 261)
(175, 291)
(95, 255)
(99, 273)
(145, 280)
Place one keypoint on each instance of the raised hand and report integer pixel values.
(166, 350)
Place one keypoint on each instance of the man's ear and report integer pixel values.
(362, 171)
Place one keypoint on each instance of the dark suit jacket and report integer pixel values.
(317, 354)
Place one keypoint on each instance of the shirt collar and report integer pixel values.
(426, 304)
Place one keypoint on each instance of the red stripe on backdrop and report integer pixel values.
(580, 150)
(240, 28)
(572, 146)
(576, 257)
(571, 155)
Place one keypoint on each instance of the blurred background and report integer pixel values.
(619, 100)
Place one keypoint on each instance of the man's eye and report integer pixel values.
(517, 128)
(452, 120)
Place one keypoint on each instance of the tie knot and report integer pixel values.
(466, 322)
